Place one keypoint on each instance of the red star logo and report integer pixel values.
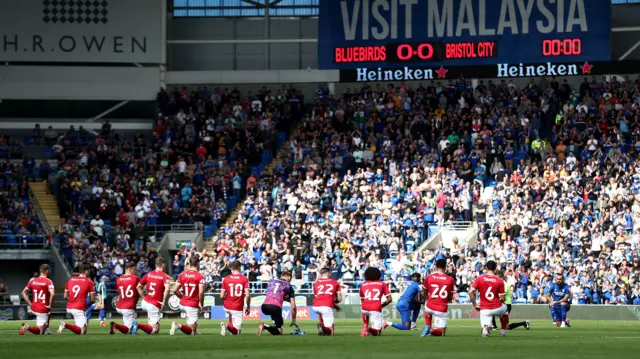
(442, 72)
(586, 68)
(473, 313)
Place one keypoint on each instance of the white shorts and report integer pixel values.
(192, 314)
(326, 313)
(79, 317)
(375, 319)
(438, 319)
(235, 317)
(41, 319)
(128, 316)
(153, 312)
(486, 315)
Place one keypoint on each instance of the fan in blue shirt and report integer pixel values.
(409, 304)
(559, 305)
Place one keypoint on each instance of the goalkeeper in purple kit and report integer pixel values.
(278, 291)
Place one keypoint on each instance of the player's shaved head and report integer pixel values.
(441, 263)
(415, 276)
(44, 269)
(372, 273)
(235, 266)
(492, 265)
(325, 271)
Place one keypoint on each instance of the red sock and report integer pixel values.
(374, 332)
(437, 332)
(34, 330)
(327, 330)
(504, 321)
(74, 328)
(186, 329)
(147, 328)
(231, 329)
(427, 319)
(122, 328)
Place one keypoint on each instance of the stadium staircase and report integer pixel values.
(47, 203)
(264, 169)
(466, 232)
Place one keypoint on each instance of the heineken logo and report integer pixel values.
(548, 69)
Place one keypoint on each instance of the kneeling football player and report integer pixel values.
(372, 291)
(327, 292)
(191, 297)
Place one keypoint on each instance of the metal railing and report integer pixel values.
(23, 241)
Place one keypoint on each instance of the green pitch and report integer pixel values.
(587, 339)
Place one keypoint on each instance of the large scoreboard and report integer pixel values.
(399, 33)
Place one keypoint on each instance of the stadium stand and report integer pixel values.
(547, 173)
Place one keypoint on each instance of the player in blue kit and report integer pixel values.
(559, 305)
(407, 307)
(101, 296)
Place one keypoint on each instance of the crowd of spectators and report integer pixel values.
(548, 172)
(367, 173)
(19, 224)
(116, 192)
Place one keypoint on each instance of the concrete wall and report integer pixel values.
(16, 273)
(239, 57)
(78, 83)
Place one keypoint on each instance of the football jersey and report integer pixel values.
(278, 291)
(439, 288)
(234, 285)
(127, 293)
(325, 290)
(490, 288)
(156, 282)
(40, 294)
(558, 292)
(191, 281)
(79, 289)
(371, 294)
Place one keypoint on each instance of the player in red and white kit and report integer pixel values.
(492, 294)
(235, 292)
(438, 290)
(39, 295)
(327, 292)
(158, 286)
(126, 286)
(191, 297)
(76, 292)
(372, 291)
